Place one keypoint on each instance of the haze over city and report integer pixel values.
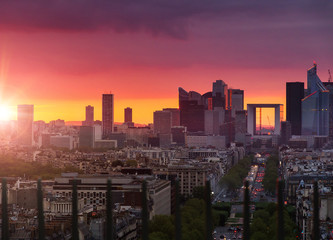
(166, 120)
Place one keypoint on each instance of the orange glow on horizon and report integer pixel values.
(71, 110)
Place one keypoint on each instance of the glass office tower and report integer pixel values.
(315, 106)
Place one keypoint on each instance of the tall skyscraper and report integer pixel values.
(294, 96)
(107, 114)
(89, 116)
(25, 118)
(235, 100)
(329, 86)
(220, 94)
(128, 115)
(241, 126)
(192, 111)
(240, 122)
(315, 106)
(162, 122)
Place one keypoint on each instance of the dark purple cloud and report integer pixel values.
(159, 17)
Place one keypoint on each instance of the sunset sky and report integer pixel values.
(62, 55)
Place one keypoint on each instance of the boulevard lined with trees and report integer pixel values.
(235, 177)
(271, 174)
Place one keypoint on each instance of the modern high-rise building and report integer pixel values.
(175, 116)
(241, 126)
(294, 96)
(240, 122)
(107, 114)
(220, 94)
(235, 100)
(192, 116)
(128, 115)
(25, 118)
(192, 111)
(227, 129)
(162, 122)
(89, 116)
(315, 106)
(213, 120)
(329, 86)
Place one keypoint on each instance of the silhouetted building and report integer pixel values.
(213, 120)
(165, 139)
(241, 126)
(315, 106)
(178, 135)
(175, 116)
(240, 121)
(89, 116)
(192, 111)
(294, 96)
(220, 94)
(329, 86)
(86, 136)
(192, 116)
(153, 141)
(128, 115)
(120, 138)
(107, 114)
(227, 129)
(162, 122)
(236, 100)
(25, 118)
(285, 132)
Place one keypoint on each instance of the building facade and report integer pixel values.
(315, 106)
(86, 136)
(89, 116)
(107, 114)
(128, 115)
(236, 100)
(294, 96)
(25, 118)
(162, 122)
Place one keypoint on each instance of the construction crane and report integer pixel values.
(329, 76)
(269, 122)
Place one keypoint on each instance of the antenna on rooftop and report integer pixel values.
(329, 76)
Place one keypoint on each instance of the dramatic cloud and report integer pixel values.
(158, 17)
(70, 51)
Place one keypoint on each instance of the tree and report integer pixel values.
(163, 224)
(199, 192)
(131, 163)
(117, 163)
(158, 236)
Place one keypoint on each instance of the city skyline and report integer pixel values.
(266, 112)
(64, 63)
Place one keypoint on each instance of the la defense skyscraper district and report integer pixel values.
(107, 114)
